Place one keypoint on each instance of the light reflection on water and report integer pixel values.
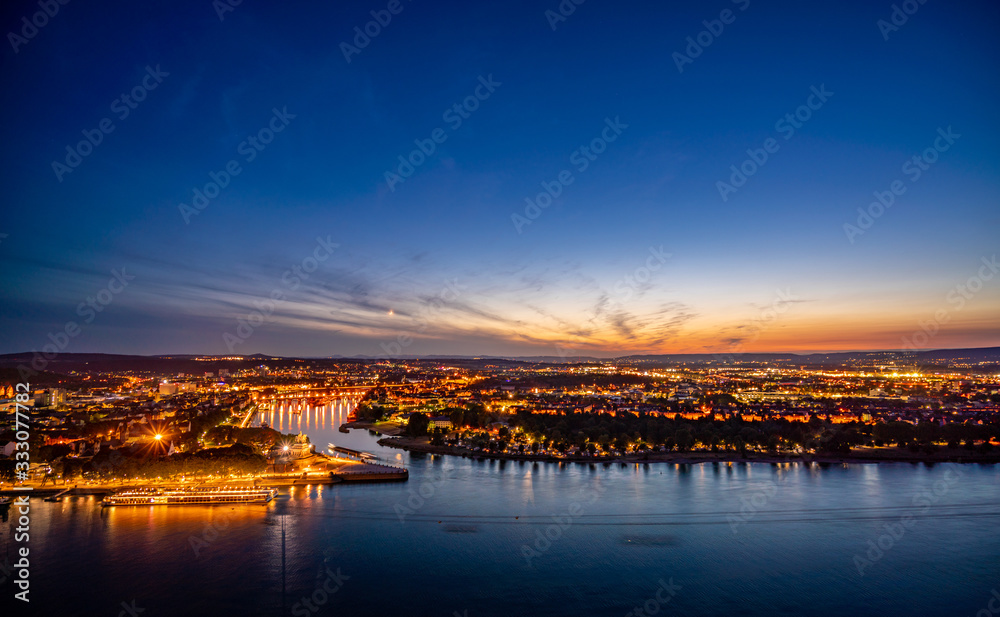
(468, 531)
(301, 416)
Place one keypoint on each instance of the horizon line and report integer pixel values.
(506, 356)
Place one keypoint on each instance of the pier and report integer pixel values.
(353, 454)
(59, 495)
(371, 472)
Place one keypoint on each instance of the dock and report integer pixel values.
(58, 496)
(57, 491)
(371, 472)
(324, 470)
(357, 455)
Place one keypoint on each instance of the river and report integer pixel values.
(493, 538)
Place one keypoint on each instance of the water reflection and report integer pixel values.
(303, 415)
(792, 552)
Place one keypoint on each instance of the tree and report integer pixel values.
(684, 438)
(417, 424)
(604, 441)
(750, 436)
(7, 469)
(368, 412)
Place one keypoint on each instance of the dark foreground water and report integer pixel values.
(522, 539)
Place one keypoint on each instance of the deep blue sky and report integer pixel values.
(559, 285)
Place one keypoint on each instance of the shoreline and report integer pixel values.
(380, 428)
(894, 455)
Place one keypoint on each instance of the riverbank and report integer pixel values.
(333, 472)
(380, 428)
(858, 455)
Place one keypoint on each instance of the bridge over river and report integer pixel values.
(303, 408)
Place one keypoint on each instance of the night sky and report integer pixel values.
(580, 199)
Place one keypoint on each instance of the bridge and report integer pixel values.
(325, 392)
(309, 406)
(301, 397)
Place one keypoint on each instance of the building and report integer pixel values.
(440, 422)
(168, 388)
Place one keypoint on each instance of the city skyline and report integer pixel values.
(525, 180)
(484, 309)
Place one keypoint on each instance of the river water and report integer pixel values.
(491, 538)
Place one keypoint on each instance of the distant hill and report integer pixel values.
(199, 364)
(974, 355)
(65, 363)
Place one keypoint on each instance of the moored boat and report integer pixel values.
(202, 495)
